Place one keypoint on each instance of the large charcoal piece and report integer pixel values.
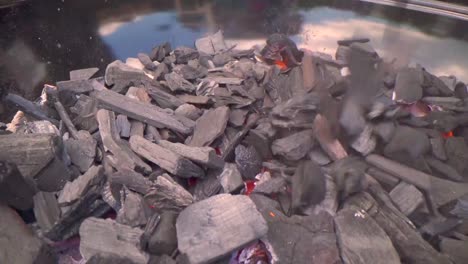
(213, 228)
(132, 180)
(46, 210)
(230, 178)
(44, 162)
(28, 107)
(132, 212)
(407, 141)
(166, 159)
(82, 150)
(168, 195)
(442, 191)
(295, 146)
(308, 187)
(72, 191)
(15, 190)
(99, 236)
(406, 197)
(83, 74)
(456, 249)
(248, 161)
(407, 241)
(122, 155)
(141, 111)
(201, 155)
(362, 240)
(18, 243)
(408, 86)
(210, 126)
(298, 239)
(121, 76)
(164, 238)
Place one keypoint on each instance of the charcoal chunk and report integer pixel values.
(176, 82)
(164, 238)
(15, 190)
(210, 126)
(122, 76)
(83, 74)
(408, 87)
(146, 60)
(211, 229)
(230, 178)
(308, 187)
(295, 146)
(185, 54)
(248, 161)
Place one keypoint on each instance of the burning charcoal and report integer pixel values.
(318, 156)
(349, 175)
(166, 159)
(83, 74)
(176, 82)
(123, 126)
(132, 212)
(140, 111)
(438, 148)
(301, 238)
(406, 197)
(407, 140)
(446, 170)
(237, 117)
(386, 180)
(44, 162)
(211, 44)
(248, 161)
(184, 54)
(225, 220)
(348, 42)
(189, 111)
(230, 178)
(455, 249)
(82, 150)
(164, 238)
(210, 126)
(168, 195)
(72, 191)
(99, 236)
(256, 252)
(15, 190)
(406, 240)
(308, 187)
(159, 52)
(457, 152)
(201, 155)
(122, 154)
(362, 240)
(280, 48)
(365, 143)
(408, 85)
(15, 236)
(146, 60)
(437, 188)
(271, 186)
(295, 146)
(122, 76)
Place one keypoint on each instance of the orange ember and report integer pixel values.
(281, 64)
(447, 134)
(272, 214)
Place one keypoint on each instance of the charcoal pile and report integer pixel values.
(217, 155)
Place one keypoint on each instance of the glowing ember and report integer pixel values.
(255, 253)
(249, 187)
(447, 134)
(192, 181)
(218, 151)
(272, 214)
(281, 64)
